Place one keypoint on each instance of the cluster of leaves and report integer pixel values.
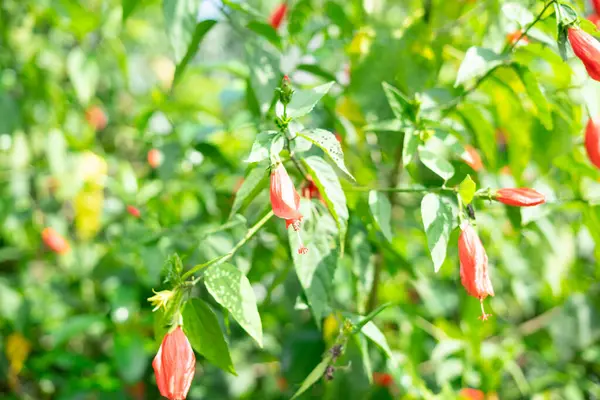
(388, 99)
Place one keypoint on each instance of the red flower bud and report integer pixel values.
(55, 241)
(382, 379)
(311, 191)
(96, 117)
(133, 211)
(587, 48)
(472, 394)
(174, 365)
(277, 15)
(596, 4)
(474, 266)
(285, 201)
(592, 142)
(472, 158)
(521, 197)
(155, 158)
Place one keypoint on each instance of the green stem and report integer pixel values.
(412, 189)
(220, 260)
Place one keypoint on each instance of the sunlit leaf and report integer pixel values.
(437, 216)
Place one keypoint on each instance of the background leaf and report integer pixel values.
(202, 329)
(381, 210)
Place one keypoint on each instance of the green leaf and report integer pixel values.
(437, 164)
(330, 188)
(265, 30)
(316, 268)
(128, 6)
(84, 74)
(467, 189)
(438, 220)
(264, 75)
(303, 101)
(412, 140)
(317, 71)
(327, 142)
(478, 61)
(265, 145)
(180, 20)
(371, 331)
(402, 107)
(535, 94)
(381, 209)
(565, 15)
(255, 181)
(202, 28)
(202, 329)
(56, 152)
(484, 132)
(130, 357)
(232, 290)
(314, 376)
(561, 41)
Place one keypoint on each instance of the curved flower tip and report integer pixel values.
(174, 365)
(285, 201)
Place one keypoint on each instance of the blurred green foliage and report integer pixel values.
(88, 88)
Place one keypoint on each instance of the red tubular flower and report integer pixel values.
(587, 48)
(174, 365)
(592, 142)
(155, 158)
(277, 15)
(134, 211)
(382, 379)
(311, 191)
(521, 197)
(596, 4)
(472, 158)
(285, 201)
(474, 266)
(594, 19)
(55, 241)
(472, 394)
(96, 117)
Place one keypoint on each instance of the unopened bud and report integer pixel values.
(285, 91)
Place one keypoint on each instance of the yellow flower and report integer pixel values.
(160, 299)
(17, 350)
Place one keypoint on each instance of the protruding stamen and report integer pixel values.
(484, 316)
(301, 249)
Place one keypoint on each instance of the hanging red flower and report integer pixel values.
(474, 266)
(587, 49)
(285, 201)
(174, 365)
